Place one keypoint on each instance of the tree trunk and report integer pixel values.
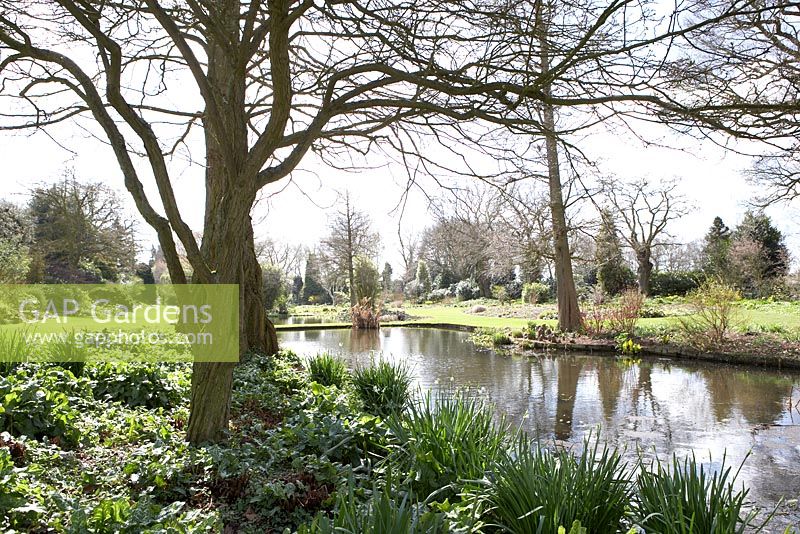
(351, 278)
(569, 314)
(351, 275)
(228, 245)
(644, 271)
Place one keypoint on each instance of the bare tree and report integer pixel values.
(350, 234)
(748, 65)
(288, 258)
(645, 209)
(409, 252)
(259, 84)
(525, 235)
(467, 239)
(569, 314)
(669, 256)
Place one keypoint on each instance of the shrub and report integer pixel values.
(500, 339)
(15, 261)
(134, 384)
(714, 310)
(513, 289)
(594, 321)
(499, 293)
(490, 337)
(686, 500)
(540, 491)
(327, 370)
(438, 295)
(384, 388)
(365, 316)
(535, 293)
(445, 443)
(623, 315)
(467, 290)
(665, 284)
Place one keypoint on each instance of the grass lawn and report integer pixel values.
(458, 315)
(752, 314)
(84, 324)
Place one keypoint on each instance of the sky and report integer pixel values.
(711, 179)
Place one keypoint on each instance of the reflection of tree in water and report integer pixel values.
(532, 405)
(312, 335)
(365, 340)
(649, 415)
(759, 397)
(569, 373)
(609, 382)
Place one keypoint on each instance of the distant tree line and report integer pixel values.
(68, 232)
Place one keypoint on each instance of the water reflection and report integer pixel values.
(295, 319)
(658, 407)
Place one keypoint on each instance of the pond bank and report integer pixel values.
(778, 361)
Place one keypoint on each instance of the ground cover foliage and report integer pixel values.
(101, 448)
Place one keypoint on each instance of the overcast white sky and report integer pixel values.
(709, 176)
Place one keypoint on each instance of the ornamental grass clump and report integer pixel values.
(327, 370)
(687, 499)
(446, 442)
(384, 388)
(388, 511)
(539, 491)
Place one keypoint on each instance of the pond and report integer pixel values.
(295, 319)
(656, 405)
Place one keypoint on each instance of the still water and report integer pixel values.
(295, 319)
(657, 406)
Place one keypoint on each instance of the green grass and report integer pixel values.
(458, 315)
(447, 315)
(758, 313)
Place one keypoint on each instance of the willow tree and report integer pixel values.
(254, 86)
